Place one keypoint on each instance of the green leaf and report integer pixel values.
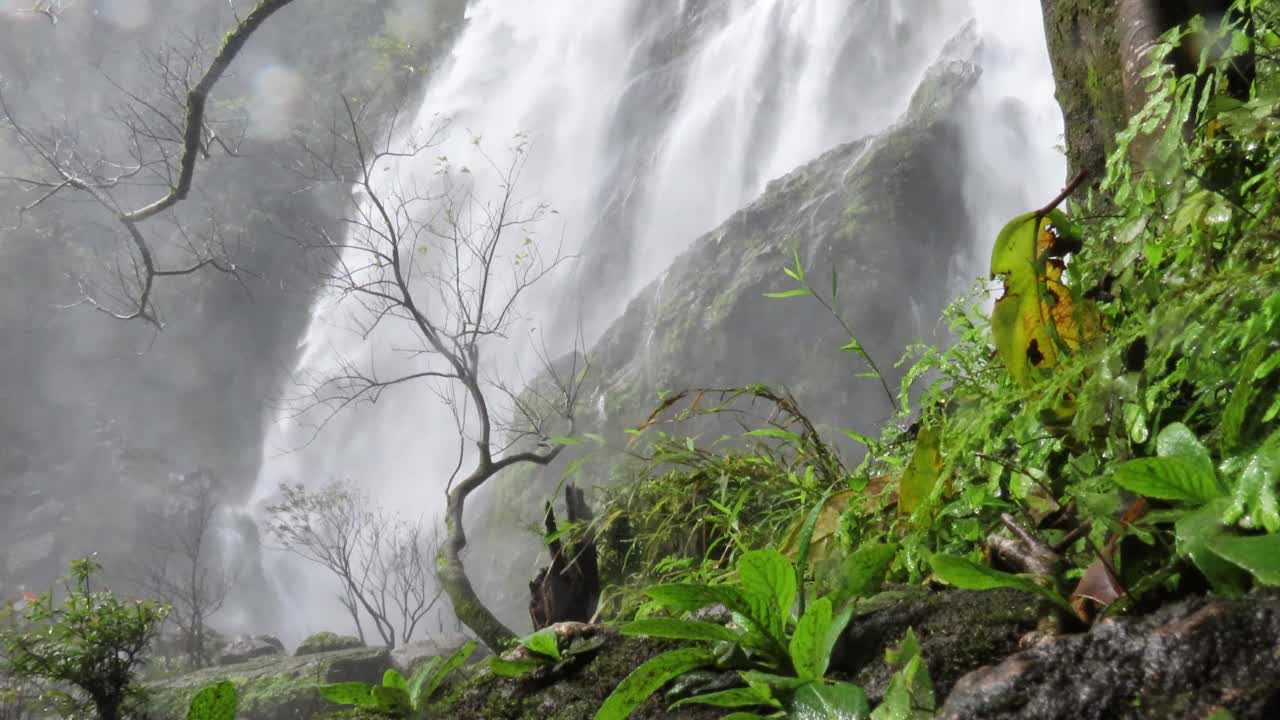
(774, 433)
(348, 693)
(923, 473)
(1177, 440)
(687, 597)
(543, 642)
(768, 582)
(214, 702)
(764, 679)
(1254, 496)
(864, 572)
(391, 700)
(836, 701)
(806, 539)
(797, 292)
(809, 641)
(393, 678)
(735, 697)
(1193, 533)
(418, 692)
(910, 689)
(649, 678)
(514, 668)
(677, 629)
(1169, 478)
(1259, 554)
(430, 676)
(971, 576)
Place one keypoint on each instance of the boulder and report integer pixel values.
(250, 647)
(1187, 660)
(326, 641)
(274, 687)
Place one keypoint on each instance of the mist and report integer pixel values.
(643, 127)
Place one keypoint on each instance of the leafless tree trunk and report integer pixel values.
(185, 571)
(451, 266)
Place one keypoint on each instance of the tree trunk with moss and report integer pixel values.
(1099, 49)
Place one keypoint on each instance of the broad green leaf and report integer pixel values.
(809, 641)
(756, 678)
(864, 572)
(687, 597)
(418, 692)
(733, 698)
(838, 623)
(348, 693)
(971, 576)
(1169, 478)
(391, 700)
(429, 678)
(767, 575)
(835, 701)
(1177, 440)
(393, 678)
(1254, 495)
(677, 629)
(214, 702)
(543, 642)
(1259, 554)
(1193, 532)
(514, 668)
(649, 678)
(923, 473)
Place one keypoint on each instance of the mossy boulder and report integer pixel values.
(327, 641)
(276, 687)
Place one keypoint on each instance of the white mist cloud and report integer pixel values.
(277, 92)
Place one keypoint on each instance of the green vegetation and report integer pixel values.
(1108, 438)
(397, 697)
(88, 648)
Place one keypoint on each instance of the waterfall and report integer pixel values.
(648, 123)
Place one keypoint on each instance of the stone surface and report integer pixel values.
(327, 641)
(276, 687)
(1187, 660)
(248, 648)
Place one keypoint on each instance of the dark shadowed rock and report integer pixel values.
(959, 631)
(1187, 660)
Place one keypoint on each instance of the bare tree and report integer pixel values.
(453, 266)
(185, 570)
(166, 132)
(381, 562)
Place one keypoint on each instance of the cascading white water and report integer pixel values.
(649, 123)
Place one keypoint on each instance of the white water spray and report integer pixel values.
(650, 122)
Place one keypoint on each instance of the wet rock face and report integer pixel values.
(1187, 660)
(959, 631)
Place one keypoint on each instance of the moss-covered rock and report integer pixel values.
(327, 641)
(273, 688)
(576, 693)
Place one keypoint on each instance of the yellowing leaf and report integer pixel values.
(1038, 318)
